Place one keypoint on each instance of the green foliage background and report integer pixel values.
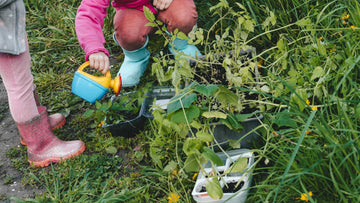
(305, 51)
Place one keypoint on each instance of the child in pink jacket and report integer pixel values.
(131, 34)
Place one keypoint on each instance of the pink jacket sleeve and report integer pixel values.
(89, 22)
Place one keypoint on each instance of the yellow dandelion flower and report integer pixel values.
(173, 197)
(217, 30)
(320, 38)
(307, 132)
(314, 108)
(175, 172)
(345, 17)
(260, 63)
(275, 133)
(353, 27)
(325, 145)
(305, 196)
(307, 102)
(101, 123)
(195, 175)
(343, 22)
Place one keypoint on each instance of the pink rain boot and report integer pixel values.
(57, 120)
(43, 147)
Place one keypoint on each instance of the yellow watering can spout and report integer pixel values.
(105, 81)
(115, 84)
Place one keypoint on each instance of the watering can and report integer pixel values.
(92, 88)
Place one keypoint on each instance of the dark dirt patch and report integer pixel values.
(10, 177)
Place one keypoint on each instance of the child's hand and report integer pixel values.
(162, 4)
(100, 62)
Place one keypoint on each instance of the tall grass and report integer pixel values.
(310, 58)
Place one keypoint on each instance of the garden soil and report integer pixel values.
(10, 138)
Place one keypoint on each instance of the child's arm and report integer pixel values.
(89, 22)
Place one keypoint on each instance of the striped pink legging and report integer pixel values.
(16, 74)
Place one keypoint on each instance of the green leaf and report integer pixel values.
(303, 22)
(241, 6)
(190, 113)
(280, 44)
(170, 167)
(196, 124)
(155, 154)
(192, 145)
(243, 117)
(186, 101)
(236, 144)
(97, 104)
(185, 70)
(191, 163)
(321, 48)
(238, 166)
(299, 98)
(232, 123)
(226, 97)
(318, 91)
(214, 114)
(176, 78)
(249, 25)
(206, 90)
(214, 189)
(111, 150)
(212, 156)
(283, 119)
(317, 73)
(357, 111)
(148, 14)
(89, 112)
(151, 24)
(204, 136)
(182, 35)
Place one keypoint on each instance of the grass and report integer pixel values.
(310, 58)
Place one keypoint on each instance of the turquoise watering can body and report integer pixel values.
(92, 88)
(87, 89)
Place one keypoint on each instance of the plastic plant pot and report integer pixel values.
(230, 193)
(159, 96)
(227, 180)
(233, 159)
(128, 128)
(199, 192)
(208, 171)
(247, 135)
(239, 196)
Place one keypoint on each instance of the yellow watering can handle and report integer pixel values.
(86, 64)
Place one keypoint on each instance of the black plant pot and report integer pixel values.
(248, 137)
(130, 128)
(161, 94)
(127, 128)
